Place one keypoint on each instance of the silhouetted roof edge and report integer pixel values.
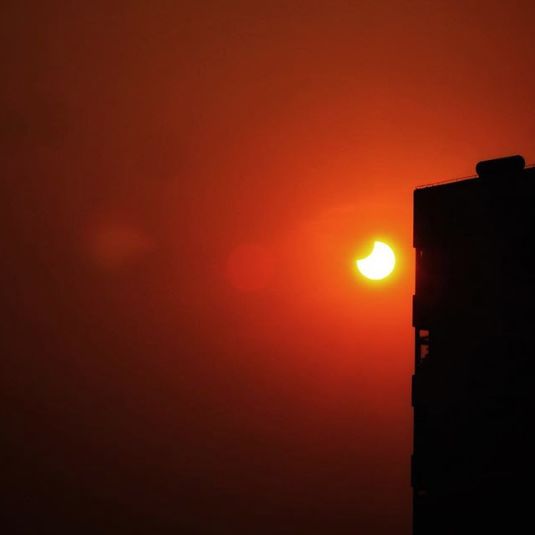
(444, 182)
(529, 167)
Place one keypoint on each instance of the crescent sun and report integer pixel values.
(379, 263)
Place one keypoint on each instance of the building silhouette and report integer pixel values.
(473, 389)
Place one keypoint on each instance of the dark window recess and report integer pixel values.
(422, 345)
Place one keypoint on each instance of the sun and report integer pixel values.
(379, 263)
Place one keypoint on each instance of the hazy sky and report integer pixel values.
(185, 186)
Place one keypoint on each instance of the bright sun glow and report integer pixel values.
(380, 262)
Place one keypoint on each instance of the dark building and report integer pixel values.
(474, 384)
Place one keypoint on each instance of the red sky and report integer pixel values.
(154, 152)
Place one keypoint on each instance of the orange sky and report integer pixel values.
(147, 148)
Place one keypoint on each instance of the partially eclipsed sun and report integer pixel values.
(379, 263)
